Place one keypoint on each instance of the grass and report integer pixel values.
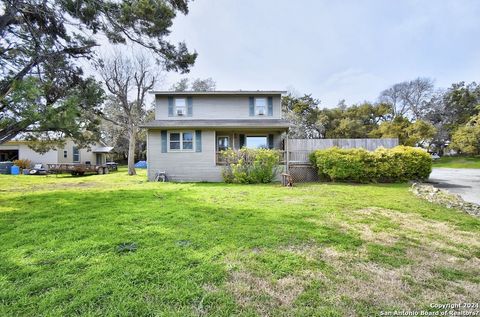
(117, 245)
(458, 162)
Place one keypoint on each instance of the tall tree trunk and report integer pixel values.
(131, 150)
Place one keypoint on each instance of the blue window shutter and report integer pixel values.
(270, 106)
(189, 106)
(163, 136)
(242, 140)
(198, 141)
(170, 106)
(270, 141)
(251, 103)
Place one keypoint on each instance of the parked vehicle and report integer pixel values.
(77, 169)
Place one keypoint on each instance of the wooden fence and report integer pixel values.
(299, 165)
(299, 149)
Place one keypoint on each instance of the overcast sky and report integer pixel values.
(333, 49)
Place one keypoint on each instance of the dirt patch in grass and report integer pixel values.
(264, 294)
(58, 186)
(267, 294)
(412, 225)
(439, 269)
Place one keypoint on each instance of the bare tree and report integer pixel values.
(128, 80)
(409, 98)
(392, 96)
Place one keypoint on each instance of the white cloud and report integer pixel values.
(336, 50)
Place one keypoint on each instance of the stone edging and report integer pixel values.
(444, 198)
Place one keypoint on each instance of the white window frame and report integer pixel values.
(255, 135)
(257, 107)
(181, 141)
(73, 155)
(178, 107)
(224, 136)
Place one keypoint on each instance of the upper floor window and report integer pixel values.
(65, 154)
(76, 154)
(180, 106)
(181, 141)
(260, 106)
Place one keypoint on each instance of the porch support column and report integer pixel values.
(287, 154)
(215, 155)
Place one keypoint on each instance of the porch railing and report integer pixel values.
(221, 161)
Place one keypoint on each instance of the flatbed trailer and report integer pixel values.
(77, 168)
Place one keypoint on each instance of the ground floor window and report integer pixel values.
(257, 142)
(180, 141)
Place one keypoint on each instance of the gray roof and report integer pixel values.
(220, 92)
(219, 123)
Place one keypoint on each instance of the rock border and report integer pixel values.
(444, 198)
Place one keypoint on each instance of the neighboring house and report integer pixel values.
(70, 153)
(191, 128)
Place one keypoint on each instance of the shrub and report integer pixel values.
(250, 166)
(401, 163)
(23, 164)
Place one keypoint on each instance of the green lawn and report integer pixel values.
(457, 162)
(222, 250)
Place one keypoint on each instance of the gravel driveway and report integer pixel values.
(462, 181)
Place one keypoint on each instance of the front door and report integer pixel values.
(99, 159)
(222, 143)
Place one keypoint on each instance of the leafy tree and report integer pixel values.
(50, 105)
(356, 121)
(207, 84)
(303, 114)
(41, 43)
(349, 128)
(450, 109)
(459, 104)
(397, 128)
(181, 85)
(466, 139)
(420, 133)
(308, 121)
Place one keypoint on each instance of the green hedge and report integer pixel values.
(402, 163)
(250, 166)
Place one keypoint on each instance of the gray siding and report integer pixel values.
(184, 166)
(192, 166)
(85, 154)
(217, 107)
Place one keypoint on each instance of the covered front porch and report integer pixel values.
(249, 138)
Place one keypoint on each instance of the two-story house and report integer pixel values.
(191, 128)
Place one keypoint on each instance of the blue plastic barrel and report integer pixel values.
(15, 170)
